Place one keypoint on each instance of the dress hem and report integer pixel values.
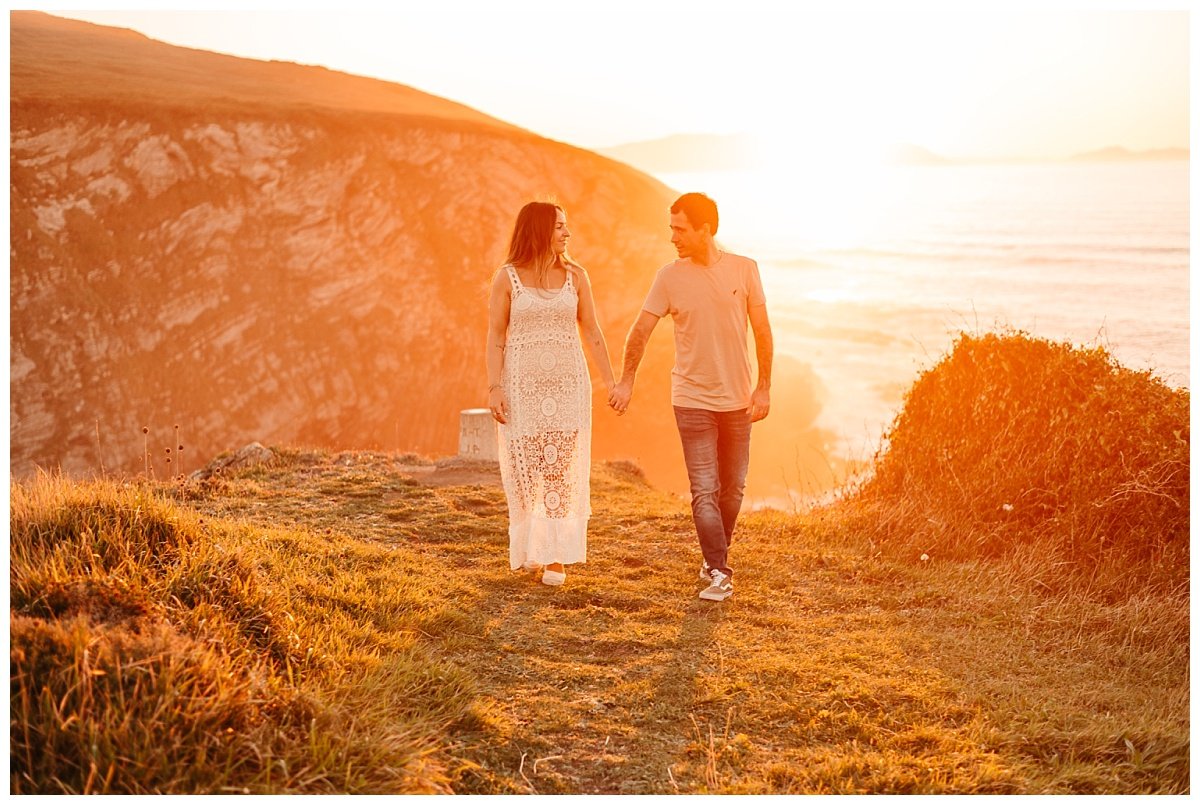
(545, 542)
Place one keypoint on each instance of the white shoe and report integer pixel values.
(704, 571)
(531, 565)
(553, 578)
(719, 588)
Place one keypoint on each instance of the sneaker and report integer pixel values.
(705, 570)
(553, 578)
(719, 588)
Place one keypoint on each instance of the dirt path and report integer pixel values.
(829, 670)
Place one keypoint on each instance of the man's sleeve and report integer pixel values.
(657, 303)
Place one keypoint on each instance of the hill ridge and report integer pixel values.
(158, 69)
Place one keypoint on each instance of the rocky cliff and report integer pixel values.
(252, 250)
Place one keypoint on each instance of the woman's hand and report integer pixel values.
(498, 405)
(620, 396)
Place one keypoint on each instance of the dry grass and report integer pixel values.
(348, 622)
(1013, 446)
(332, 624)
(155, 649)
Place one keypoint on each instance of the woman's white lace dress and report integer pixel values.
(545, 449)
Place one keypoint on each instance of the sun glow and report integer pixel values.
(826, 191)
(963, 80)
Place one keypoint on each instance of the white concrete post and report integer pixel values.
(477, 435)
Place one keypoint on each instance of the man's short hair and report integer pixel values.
(699, 209)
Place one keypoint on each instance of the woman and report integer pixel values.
(540, 393)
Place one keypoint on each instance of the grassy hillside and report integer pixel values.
(124, 66)
(347, 623)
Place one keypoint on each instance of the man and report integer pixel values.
(709, 294)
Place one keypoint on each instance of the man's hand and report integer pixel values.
(760, 404)
(621, 394)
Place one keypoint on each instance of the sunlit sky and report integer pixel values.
(972, 80)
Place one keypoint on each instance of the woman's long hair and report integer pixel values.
(530, 246)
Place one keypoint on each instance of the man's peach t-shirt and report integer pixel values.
(709, 306)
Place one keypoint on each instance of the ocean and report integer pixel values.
(870, 275)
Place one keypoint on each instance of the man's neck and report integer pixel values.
(709, 257)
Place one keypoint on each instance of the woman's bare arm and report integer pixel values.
(498, 311)
(593, 336)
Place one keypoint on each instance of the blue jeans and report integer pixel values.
(716, 450)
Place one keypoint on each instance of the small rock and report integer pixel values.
(252, 455)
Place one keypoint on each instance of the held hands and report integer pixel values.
(619, 397)
(760, 404)
(498, 405)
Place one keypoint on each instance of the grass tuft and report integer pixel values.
(1053, 455)
(153, 650)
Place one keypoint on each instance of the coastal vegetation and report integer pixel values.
(1013, 446)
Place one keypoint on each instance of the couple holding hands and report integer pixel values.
(541, 315)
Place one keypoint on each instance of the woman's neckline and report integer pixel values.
(542, 291)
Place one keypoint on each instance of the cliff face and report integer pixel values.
(245, 278)
(289, 271)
